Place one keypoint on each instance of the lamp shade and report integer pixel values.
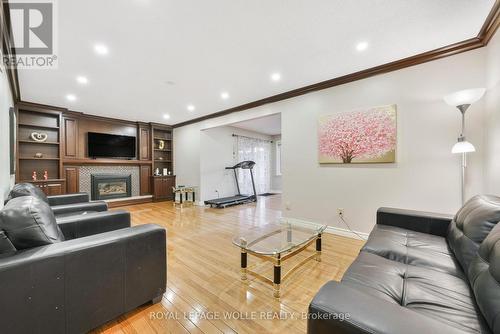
(467, 96)
(463, 147)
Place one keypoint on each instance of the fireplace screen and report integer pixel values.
(109, 186)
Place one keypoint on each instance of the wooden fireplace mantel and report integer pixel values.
(104, 162)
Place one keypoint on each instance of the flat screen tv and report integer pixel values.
(102, 145)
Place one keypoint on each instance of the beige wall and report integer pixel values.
(426, 175)
(492, 120)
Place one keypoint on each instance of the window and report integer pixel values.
(278, 157)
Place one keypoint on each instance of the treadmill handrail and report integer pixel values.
(247, 164)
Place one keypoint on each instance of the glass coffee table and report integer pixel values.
(277, 242)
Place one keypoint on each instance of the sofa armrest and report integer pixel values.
(97, 206)
(68, 199)
(419, 221)
(338, 308)
(76, 285)
(79, 226)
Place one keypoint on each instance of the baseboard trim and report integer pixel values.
(346, 233)
(338, 231)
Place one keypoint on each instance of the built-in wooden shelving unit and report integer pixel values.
(64, 152)
(162, 148)
(39, 156)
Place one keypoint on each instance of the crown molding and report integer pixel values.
(485, 34)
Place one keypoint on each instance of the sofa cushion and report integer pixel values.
(27, 189)
(415, 248)
(29, 222)
(434, 294)
(5, 245)
(484, 277)
(471, 225)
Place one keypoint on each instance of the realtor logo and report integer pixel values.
(33, 34)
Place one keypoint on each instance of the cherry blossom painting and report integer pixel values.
(361, 136)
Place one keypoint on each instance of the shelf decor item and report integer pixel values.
(361, 136)
(39, 155)
(39, 136)
(462, 100)
(161, 144)
(33, 176)
(165, 171)
(157, 172)
(45, 175)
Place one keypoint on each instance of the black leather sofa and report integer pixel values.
(419, 273)
(76, 273)
(62, 205)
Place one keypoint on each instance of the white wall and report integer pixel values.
(426, 175)
(276, 183)
(492, 126)
(217, 152)
(5, 104)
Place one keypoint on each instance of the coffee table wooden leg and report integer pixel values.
(277, 278)
(243, 269)
(318, 248)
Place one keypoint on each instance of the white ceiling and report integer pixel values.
(166, 54)
(268, 125)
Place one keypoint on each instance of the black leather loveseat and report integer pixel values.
(419, 273)
(61, 205)
(72, 275)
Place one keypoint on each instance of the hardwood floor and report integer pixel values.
(204, 290)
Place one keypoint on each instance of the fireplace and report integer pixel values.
(109, 186)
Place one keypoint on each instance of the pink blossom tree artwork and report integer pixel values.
(362, 136)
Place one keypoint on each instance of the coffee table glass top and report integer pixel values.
(278, 237)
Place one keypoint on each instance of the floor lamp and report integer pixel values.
(462, 100)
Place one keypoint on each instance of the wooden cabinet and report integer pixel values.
(162, 187)
(72, 175)
(51, 187)
(145, 183)
(70, 137)
(144, 143)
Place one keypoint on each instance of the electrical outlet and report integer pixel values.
(288, 206)
(340, 212)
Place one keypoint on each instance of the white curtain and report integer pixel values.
(259, 151)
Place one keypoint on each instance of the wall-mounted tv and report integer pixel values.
(102, 145)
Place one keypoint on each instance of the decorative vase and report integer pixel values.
(39, 136)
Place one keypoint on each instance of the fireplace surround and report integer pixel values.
(110, 186)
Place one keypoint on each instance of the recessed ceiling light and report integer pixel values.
(101, 49)
(166, 116)
(71, 97)
(224, 95)
(190, 107)
(276, 76)
(82, 80)
(362, 46)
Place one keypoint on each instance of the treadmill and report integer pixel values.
(239, 198)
